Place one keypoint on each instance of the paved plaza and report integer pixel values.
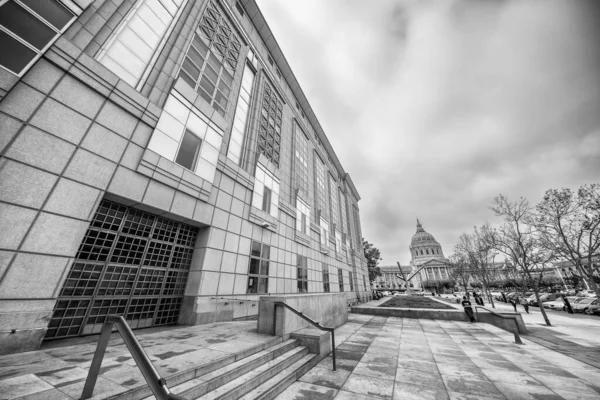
(400, 358)
(378, 357)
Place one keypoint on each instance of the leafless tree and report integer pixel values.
(570, 227)
(460, 270)
(479, 253)
(520, 240)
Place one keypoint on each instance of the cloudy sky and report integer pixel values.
(436, 106)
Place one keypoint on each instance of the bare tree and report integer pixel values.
(570, 224)
(520, 240)
(460, 271)
(479, 253)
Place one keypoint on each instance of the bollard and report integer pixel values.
(517, 337)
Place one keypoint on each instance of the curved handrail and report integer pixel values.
(157, 384)
(309, 320)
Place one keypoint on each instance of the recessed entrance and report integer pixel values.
(130, 263)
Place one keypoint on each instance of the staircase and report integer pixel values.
(262, 375)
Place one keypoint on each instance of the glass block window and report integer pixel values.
(325, 270)
(320, 189)
(357, 228)
(27, 29)
(212, 57)
(333, 200)
(301, 163)
(236, 141)
(302, 216)
(135, 42)
(266, 191)
(341, 279)
(258, 270)
(269, 127)
(302, 277)
(130, 263)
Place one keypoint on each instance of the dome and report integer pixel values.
(421, 236)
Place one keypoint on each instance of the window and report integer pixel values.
(320, 188)
(27, 29)
(278, 73)
(302, 114)
(266, 206)
(357, 228)
(188, 151)
(297, 106)
(266, 185)
(343, 212)
(258, 271)
(301, 162)
(333, 203)
(302, 268)
(211, 59)
(176, 119)
(351, 282)
(365, 283)
(130, 50)
(269, 128)
(270, 59)
(427, 251)
(325, 269)
(341, 279)
(239, 8)
(302, 216)
(236, 141)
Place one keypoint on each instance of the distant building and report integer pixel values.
(391, 278)
(428, 261)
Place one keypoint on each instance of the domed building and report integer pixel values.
(427, 258)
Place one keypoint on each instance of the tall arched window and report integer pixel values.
(427, 251)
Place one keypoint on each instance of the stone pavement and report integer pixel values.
(59, 370)
(399, 358)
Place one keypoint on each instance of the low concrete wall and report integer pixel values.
(511, 321)
(329, 309)
(448, 315)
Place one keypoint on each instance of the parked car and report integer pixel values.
(594, 308)
(544, 298)
(583, 305)
(586, 293)
(559, 303)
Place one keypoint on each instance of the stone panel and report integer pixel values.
(43, 76)
(32, 276)
(183, 205)
(159, 196)
(9, 128)
(21, 102)
(117, 120)
(5, 257)
(103, 142)
(78, 96)
(53, 234)
(15, 220)
(128, 184)
(61, 121)
(73, 199)
(90, 169)
(24, 185)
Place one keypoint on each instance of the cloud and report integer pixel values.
(434, 107)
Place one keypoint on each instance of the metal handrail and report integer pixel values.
(308, 319)
(157, 384)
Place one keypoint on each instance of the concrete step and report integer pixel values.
(238, 387)
(205, 383)
(277, 384)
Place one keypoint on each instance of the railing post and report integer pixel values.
(90, 382)
(275, 318)
(333, 348)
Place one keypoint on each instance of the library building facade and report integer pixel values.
(159, 161)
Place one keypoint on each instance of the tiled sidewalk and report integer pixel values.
(395, 358)
(58, 372)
